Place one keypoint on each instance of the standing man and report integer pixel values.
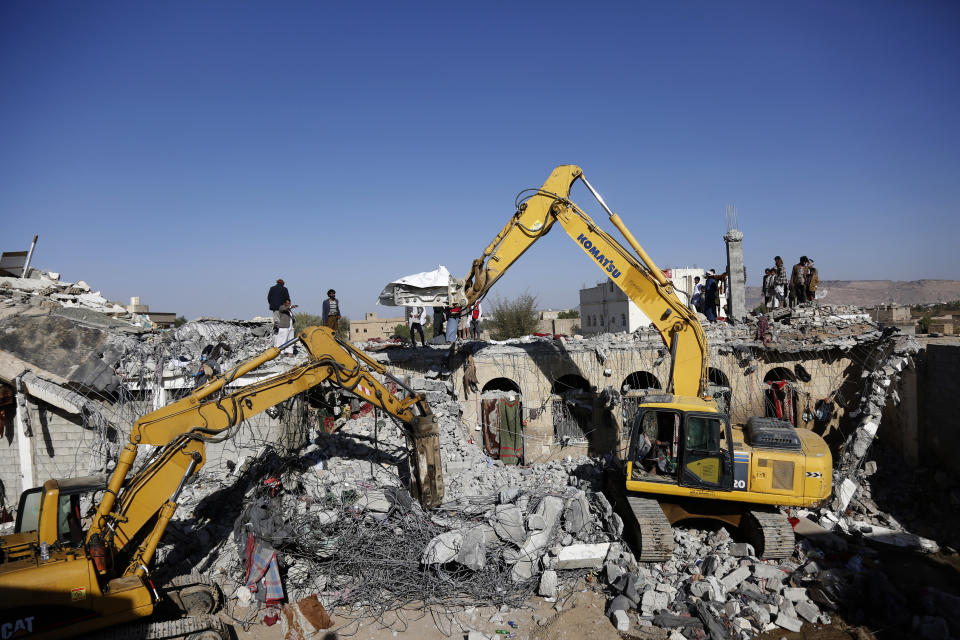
(798, 282)
(331, 311)
(418, 318)
(277, 295)
(453, 320)
(696, 300)
(710, 296)
(780, 283)
(813, 281)
(283, 318)
(437, 321)
(475, 314)
(767, 288)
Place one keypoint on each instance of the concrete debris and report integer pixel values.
(347, 535)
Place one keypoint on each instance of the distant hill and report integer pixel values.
(867, 293)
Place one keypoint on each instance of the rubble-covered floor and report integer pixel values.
(528, 544)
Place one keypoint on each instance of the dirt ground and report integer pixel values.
(581, 615)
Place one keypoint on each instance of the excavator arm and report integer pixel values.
(181, 429)
(633, 271)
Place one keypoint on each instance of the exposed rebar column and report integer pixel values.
(736, 276)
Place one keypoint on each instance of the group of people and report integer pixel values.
(278, 299)
(802, 285)
(706, 295)
(450, 322)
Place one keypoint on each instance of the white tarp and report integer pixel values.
(427, 288)
(439, 277)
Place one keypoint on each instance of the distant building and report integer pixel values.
(895, 315)
(373, 327)
(550, 323)
(605, 308)
(942, 324)
(160, 319)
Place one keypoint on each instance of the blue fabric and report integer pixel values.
(452, 323)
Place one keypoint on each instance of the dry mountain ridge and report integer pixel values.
(867, 293)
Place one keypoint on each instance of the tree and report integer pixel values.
(179, 321)
(303, 320)
(402, 331)
(343, 328)
(514, 318)
(571, 313)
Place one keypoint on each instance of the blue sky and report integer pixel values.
(192, 152)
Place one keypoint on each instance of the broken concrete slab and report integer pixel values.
(582, 556)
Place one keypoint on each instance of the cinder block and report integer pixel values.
(582, 556)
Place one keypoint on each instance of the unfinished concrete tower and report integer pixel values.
(737, 272)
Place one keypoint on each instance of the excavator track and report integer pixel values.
(645, 526)
(195, 628)
(652, 533)
(193, 594)
(770, 533)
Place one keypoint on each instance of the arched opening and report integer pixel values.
(636, 381)
(501, 419)
(501, 384)
(719, 388)
(780, 399)
(569, 382)
(573, 410)
(640, 380)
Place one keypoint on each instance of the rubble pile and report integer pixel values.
(44, 286)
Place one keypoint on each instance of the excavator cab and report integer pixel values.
(669, 445)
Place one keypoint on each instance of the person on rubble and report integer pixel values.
(813, 281)
(417, 319)
(711, 294)
(476, 313)
(209, 364)
(780, 283)
(277, 295)
(452, 315)
(283, 326)
(767, 288)
(696, 300)
(331, 311)
(438, 317)
(798, 282)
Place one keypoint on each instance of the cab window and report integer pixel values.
(28, 515)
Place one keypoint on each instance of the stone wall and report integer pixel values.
(62, 447)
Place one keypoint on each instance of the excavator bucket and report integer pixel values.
(427, 482)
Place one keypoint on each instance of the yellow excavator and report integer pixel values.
(59, 581)
(685, 460)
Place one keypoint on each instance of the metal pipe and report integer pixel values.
(622, 228)
(674, 339)
(183, 480)
(26, 265)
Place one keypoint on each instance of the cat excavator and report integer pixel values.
(685, 460)
(59, 581)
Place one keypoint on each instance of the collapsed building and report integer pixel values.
(527, 428)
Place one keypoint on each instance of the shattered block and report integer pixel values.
(654, 601)
(548, 584)
(807, 610)
(507, 521)
(582, 556)
(473, 552)
(620, 620)
(788, 622)
(443, 548)
(577, 514)
(733, 579)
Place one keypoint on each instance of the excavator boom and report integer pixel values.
(633, 271)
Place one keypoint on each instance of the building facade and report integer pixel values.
(372, 327)
(605, 308)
